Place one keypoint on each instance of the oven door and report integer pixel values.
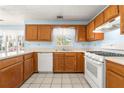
(94, 72)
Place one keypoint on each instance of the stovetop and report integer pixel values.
(104, 53)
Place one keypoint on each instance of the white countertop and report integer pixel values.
(38, 51)
(118, 60)
(10, 55)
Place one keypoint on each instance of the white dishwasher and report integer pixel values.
(45, 62)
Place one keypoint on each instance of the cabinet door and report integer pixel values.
(44, 32)
(35, 61)
(111, 12)
(99, 36)
(11, 76)
(114, 80)
(80, 62)
(90, 34)
(80, 33)
(58, 62)
(28, 68)
(121, 11)
(70, 62)
(99, 20)
(31, 33)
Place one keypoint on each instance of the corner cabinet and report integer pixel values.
(121, 12)
(80, 33)
(31, 33)
(90, 34)
(14, 71)
(114, 75)
(11, 72)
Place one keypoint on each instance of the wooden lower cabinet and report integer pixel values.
(14, 71)
(80, 62)
(11, 76)
(58, 64)
(35, 62)
(68, 62)
(114, 75)
(114, 80)
(28, 68)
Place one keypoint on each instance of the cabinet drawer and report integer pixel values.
(10, 61)
(27, 56)
(117, 68)
(70, 54)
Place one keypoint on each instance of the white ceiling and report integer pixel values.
(17, 14)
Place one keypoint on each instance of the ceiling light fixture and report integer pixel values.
(60, 17)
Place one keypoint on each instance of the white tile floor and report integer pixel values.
(51, 80)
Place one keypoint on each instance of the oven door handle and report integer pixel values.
(98, 63)
(93, 61)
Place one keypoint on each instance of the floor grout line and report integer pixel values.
(59, 83)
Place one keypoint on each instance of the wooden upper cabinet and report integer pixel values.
(90, 28)
(99, 20)
(99, 36)
(111, 12)
(31, 32)
(80, 33)
(70, 62)
(121, 12)
(44, 32)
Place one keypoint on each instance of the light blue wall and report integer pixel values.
(12, 27)
(112, 37)
(54, 22)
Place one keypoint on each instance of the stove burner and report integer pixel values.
(103, 53)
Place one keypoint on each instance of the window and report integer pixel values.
(11, 42)
(64, 36)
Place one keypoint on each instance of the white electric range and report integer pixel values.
(95, 67)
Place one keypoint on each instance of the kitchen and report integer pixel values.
(68, 47)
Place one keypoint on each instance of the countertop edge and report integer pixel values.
(27, 52)
(117, 60)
